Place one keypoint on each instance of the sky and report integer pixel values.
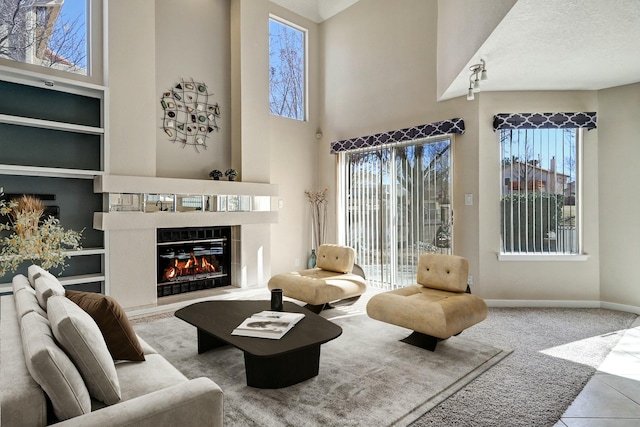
(72, 9)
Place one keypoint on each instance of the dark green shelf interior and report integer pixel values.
(47, 104)
(74, 266)
(74, 197)
(30, 146)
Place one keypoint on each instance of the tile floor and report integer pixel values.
(612, 396)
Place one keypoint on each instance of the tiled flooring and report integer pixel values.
(612, 396)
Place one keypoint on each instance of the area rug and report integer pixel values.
(367, 376)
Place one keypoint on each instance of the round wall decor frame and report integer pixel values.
(189, 115)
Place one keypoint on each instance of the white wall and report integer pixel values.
(192, 42)
(152, 44)
(619, 175)
(380, 74)
(294, 164)
(130, 75)
(535, 280)
(377, 71)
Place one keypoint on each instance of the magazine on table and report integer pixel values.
(268, 324)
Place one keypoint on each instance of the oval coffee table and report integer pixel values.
(269, 363)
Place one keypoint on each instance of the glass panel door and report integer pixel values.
(398, 206)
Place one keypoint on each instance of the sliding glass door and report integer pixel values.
(397, 205)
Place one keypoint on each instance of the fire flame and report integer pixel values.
(189, 267)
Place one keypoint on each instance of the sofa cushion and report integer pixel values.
(80, 337)
(23, 401)
(317, 286)
(52, 369)
(46, 287)
(21, 282)
(335, 258)
(138, 379)
(113, 322)
(444, 272)
(34, 271)
(26, 302)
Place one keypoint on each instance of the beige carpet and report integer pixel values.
(367, 376)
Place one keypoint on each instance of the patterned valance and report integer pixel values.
(544, 121)
(444, 127)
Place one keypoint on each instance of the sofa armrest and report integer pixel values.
(198, 402)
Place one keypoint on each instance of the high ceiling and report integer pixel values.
(542, 44)
(315, 10)
(560, 45)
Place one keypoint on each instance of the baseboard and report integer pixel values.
(542, 303)
(620, 307)
(562, 304)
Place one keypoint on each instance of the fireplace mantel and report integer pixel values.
(136, 185)
(143, 184)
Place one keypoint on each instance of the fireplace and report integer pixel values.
(192, 259)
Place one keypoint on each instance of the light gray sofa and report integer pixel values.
(153, 392)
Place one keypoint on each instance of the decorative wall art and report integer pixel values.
(189, 115)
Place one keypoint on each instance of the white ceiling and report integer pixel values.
(560, 45)
(315, 10)
(542, 44)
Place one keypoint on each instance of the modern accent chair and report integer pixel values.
(437, 308)
(335, 278)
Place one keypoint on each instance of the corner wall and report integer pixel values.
(618, 154)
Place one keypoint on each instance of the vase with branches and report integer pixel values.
(31, 237)
(318, 201)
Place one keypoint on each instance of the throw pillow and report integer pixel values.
(46, 287)
(52, 369)
(121, 339)
(79, 335)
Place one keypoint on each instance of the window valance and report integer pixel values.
(544, 121)
(396, 136)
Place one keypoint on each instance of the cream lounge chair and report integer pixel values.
(437, 308)
(335, 278)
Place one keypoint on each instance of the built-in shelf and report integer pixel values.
(48, 124)
(55, 127)
(7, 288)
(80, 279)
(48, 172)
(86, 251)
(83, 252)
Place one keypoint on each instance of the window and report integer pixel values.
(287, 70)
(539, 200)
(396, 206)
(48, 33)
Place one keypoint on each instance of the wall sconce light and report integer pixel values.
(478, 73)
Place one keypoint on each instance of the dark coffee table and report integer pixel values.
(268, 363)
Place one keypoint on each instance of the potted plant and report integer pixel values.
(231, 174)
(215, 174)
